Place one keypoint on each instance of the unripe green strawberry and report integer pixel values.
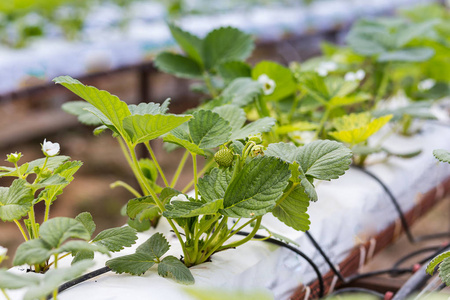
(224, 157)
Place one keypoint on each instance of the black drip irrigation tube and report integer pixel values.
(403, 220)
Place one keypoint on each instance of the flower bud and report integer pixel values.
(224, 157)
(257, 138)
(14, 157)
(257, 150)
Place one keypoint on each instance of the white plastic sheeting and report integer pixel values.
(349, 210)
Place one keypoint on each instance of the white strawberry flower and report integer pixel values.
(267, 83)
(325, 67)
(179, 197)
(49, 148)
(426, 84)
(355, 76)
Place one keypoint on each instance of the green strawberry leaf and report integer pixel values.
(209, 130)
(256, 188)
(143, 128)
(134, 264)
(231, 70)
(173, 268)
(178, 65)
(57, 230)
(226, 44)
(85, 218)
(109, 105)
(442, 155)
(242, 91)
(188, 209)
(324, 160)
(32, 252)
(15, 201)
(292, 210)
(115, 239)
(214, 184)
(436, 261)
(77, 108)
(189, 43)
(156, 245)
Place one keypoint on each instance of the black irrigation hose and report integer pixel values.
(418, 279)
(415, 253)
(392, 272)
(81, 279)
(393, 200)
(356, 290)
(327, 259)
(405, 224)
(104, 270)
(282, 244)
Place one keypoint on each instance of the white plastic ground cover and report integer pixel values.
(349, 210)
(104, 47)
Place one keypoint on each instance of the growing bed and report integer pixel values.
(350, 213)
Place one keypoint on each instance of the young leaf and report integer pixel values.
(442, 155)
(214, 184)
(188, 209)
(32, 252)
(436, 261)
(111, 106)
(178, 65)
(55, 231)
(324, 159)
(357, 128)
(15, 201)
(143, 128)
(264, 179)
(191, 44)
(242, 91)
(285, 84)
(85, 218)
(54, 278)
(292, 210)
(208, 129)
(226, 44)
(172, 267)
(134, 264)
(156, 246)
(115, 239)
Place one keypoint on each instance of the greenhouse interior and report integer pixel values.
(210, 150)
